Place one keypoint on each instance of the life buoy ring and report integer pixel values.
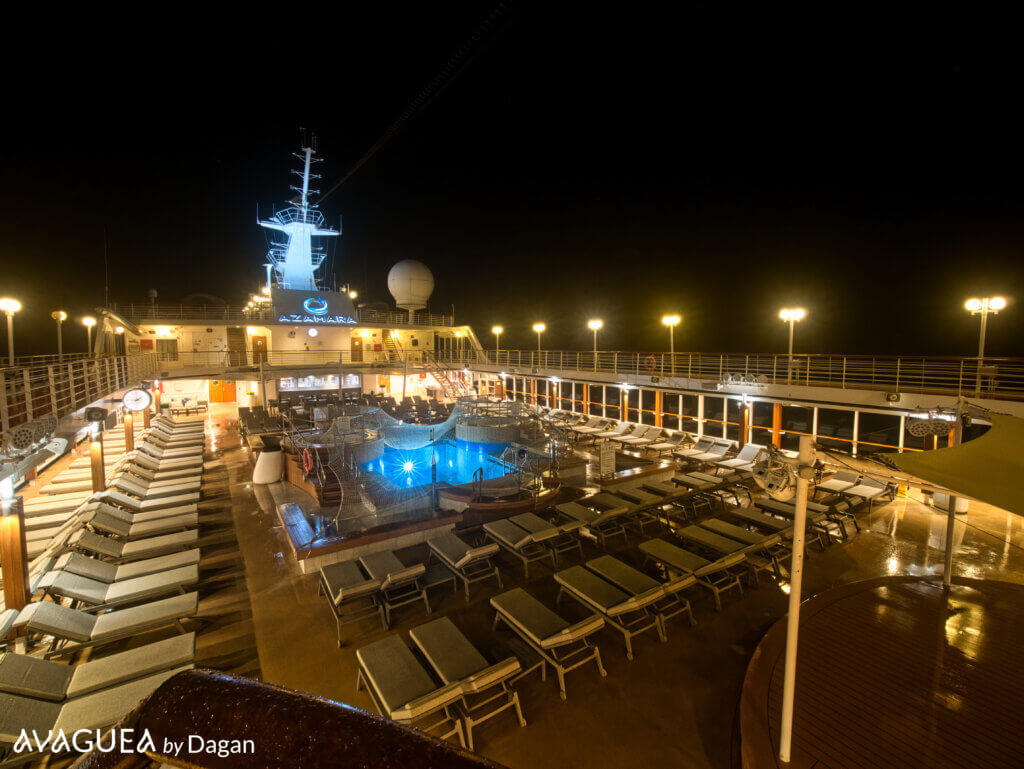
(307, 460)
(650, 363)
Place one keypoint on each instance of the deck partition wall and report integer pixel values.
(750, 420)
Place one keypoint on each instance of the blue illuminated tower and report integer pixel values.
(295, 262)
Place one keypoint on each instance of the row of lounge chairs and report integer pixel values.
(86, 598)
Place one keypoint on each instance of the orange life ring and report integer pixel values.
(650, 363)
(307, 460)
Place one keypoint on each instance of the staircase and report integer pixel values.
(452, 386)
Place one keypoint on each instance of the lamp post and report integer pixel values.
(982, 307)
(595, 325)
(671, 321)
(60, 316)
(88, 321)
(497, 331)
(539, 329)
(10, 306)
(791, 315)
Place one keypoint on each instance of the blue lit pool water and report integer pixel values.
(456, 463)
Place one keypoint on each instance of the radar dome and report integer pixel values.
(411, 284)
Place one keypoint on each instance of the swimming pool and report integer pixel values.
(456, 463)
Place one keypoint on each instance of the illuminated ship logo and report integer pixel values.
(316, 305)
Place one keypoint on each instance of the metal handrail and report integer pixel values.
(987, 377)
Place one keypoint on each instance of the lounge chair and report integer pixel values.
(455, 660)
(469, 564)
(102, 571)
(641, 439)
(120, 499)
(638, 432)
(840, 481)
(89, 713)
(714, 453)
(564, 540)
(605, 523)
(400, 585)
(522, 544)
(351, 594)
(155, 489)
(72, 629)
(763, 550)
(744, 459)
(674, 442)
(627, 613)
(105, 523)
(41, 679)
(87, 541)
(619, 429)
(699, 447)
(563, 645)
(94, 595)
(870, 489)
(591, 426)
(402, 690)
(716, 575)
(636, 583)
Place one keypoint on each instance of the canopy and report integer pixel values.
(989, 468)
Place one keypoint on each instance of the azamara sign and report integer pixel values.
(287, 317)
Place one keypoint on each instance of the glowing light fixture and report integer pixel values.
(88, 321)
(538, 329)
(60, 316)
(671, 321)
(983, 307)
(250, 330)
(407, 466)
(365, 333)
(352, 294)
(595, 325)
(312, 332)
(497, 331)
(10, 306)
(266, 290)
(791, 315)
(119, 330)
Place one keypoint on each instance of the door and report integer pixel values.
(357, 350)
(236, 346)
(167, 349)
(221, 391)
(259, 349)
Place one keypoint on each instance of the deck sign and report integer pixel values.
(607, 458)
(313, 308)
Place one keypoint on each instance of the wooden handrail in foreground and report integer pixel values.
(287, 728)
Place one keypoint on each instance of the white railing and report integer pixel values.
(39, 390)
(264, 313)
(991, 377)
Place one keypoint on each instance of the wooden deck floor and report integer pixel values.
(893, 672)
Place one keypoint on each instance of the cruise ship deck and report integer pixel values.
(883, 614)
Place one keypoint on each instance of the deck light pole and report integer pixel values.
(88, 321)
(497, 331)
(538, 329)
(10, 306)
(982, 307)
(60, 316)
(791, 315)
(595, 325)
(671, 321)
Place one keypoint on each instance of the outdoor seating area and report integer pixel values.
(107, 569)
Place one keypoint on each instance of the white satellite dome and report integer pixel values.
(411, 283)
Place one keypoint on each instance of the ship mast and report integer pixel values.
(295, 262)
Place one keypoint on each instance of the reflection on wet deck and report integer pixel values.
(675, 705)
(895, 672)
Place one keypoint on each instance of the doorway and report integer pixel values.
(222, 392)
(357, 350)
(259, 350)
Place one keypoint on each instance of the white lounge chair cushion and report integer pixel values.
(545, 628)
(404, 689)
(345, 582)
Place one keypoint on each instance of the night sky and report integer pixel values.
(591, 161)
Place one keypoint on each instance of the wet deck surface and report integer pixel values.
(896, 672)
(675, 705)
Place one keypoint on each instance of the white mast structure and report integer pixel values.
(296, 262)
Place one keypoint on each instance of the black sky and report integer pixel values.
(594, 160)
